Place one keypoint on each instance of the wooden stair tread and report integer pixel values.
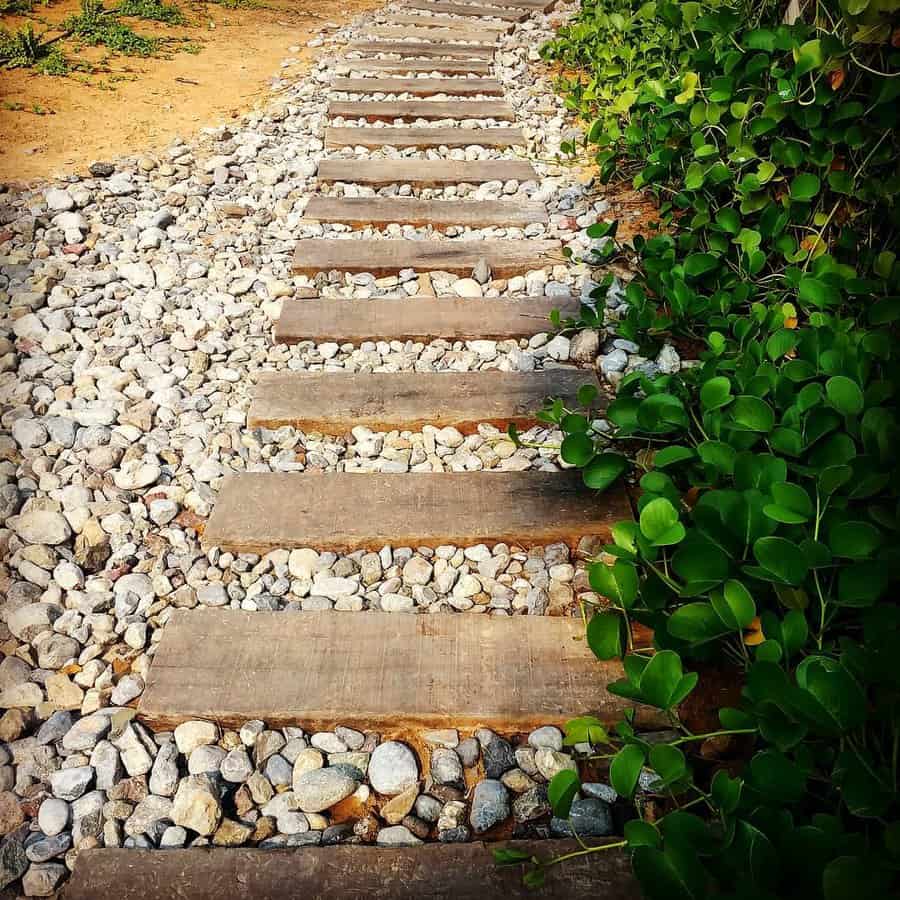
(422, 49)
(336, 402)
(345, 872)
(387, 110)
(466, 10)
(533, 5)
(432, 21)
(443, 136)
(413, 33)
(261, 511)
(417, 319)
(424, 171)
(421, 87)
(375, 671)
(447, 66)
(362, 211)
(387, 256)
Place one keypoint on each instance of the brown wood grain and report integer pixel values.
(417, 319)
(420, 49)
(379, 671)
(406, 136)
(336, 402)
(347, 872)
(412, 33)
(386, 257)
(419, 87)
(405, 66)
(424, 171)
(464, 9)
(388, 110)
(362, 211)
(418, 18)
(256, 512)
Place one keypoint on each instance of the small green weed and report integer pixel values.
(153, 10)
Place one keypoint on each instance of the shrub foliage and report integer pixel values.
(766, 535)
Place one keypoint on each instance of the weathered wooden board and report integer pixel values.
(409, 66)
(384, 257)
(422, 50)
(335, 402)
(412, 33)
(436, 871)
(430, 21)
(503, 13)
(533, 5)
(388, 110)
(423, 137)
(261, 511)
(417, 319)
(379, 671)
(419, 87)
(362, 211)
(424, 172)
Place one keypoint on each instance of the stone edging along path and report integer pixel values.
(142, 302)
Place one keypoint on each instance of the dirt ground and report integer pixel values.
(118, 105)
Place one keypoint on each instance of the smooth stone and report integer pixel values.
(490, 805)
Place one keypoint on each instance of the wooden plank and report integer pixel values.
(336, 402)
(424, 171)
(420, 49)
(417, 319)
(411, 33)
(431, 21)
(533, 5)
(389, 110)
(345, 872)
(487, 10)
(419, 87)
(410, 66)
(261, 511)
(452, 136)
(383, 257)
(385, 672)
(362, 211)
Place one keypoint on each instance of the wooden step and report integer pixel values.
(388, 110)
(534, 5)
(424, 172)
(426, 21)
(346, 872)
(412, 33)
(422, 137)
(362, 211)
(375, 671)
(261, 511)
(419, 87)
(336, 402)
(505, 14)
(422, 50)
(386, 257)
(411, 66)
(417, 319)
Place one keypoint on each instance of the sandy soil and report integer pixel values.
(52, 126)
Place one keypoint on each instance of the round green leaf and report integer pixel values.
(777, 778)
(856, 540)
(752, 414)
(782, 559)
(618, 582)
(845, 395)
(577, 449)
(603, 470)
(561, 792)
(734, 606)
(696, 623)
(660, 524)
(805, 186)
(715, 393)
(625, 769)
(604, 635)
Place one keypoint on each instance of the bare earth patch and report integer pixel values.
(51, 126)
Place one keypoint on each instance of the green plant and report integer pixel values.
(53, 62)
(153, 10)
(19, 48)
(96, 26)
(766, 534)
